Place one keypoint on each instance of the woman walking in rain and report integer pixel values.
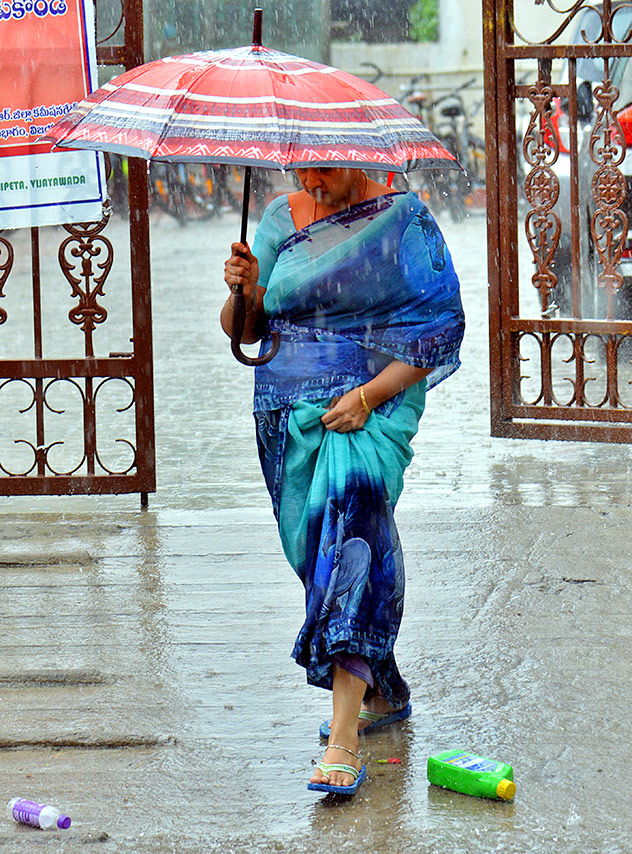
(360, 285)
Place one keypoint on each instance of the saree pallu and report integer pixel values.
(348, 294)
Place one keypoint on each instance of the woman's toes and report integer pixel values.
(340, 779)
(336, 756)
(319, 777)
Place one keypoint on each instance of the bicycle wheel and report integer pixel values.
(176, 195)
(458, 188)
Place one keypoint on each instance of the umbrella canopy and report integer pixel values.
(251, 106)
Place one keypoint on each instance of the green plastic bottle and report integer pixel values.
(471, 775)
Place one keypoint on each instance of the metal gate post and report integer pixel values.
(141, 308)
(492, 174)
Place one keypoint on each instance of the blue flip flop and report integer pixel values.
(359, 778)
(375, 719)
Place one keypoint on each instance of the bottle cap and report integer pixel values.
(63, 822)
(506, 789)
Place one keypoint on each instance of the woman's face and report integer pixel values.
(329, 185)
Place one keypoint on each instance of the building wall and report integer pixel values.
(183, 26)
(456, 58)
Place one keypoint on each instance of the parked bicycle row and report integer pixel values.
(191, 191)
(451, 121)
(448, 118)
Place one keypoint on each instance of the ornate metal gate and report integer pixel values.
(31, 386)
(559, 195)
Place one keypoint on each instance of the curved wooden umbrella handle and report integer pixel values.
(239, 320)
(239, 300)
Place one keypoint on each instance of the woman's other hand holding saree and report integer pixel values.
(346, 413)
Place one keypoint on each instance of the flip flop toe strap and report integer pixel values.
(344, 769)
(372, 717)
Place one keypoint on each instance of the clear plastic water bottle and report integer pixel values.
(37, 815)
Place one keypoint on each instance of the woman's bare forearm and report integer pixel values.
(254, 326)
(349, 412)
(396, 376)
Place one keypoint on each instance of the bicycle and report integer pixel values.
(184, 191)
(196, 191)
(448, 119)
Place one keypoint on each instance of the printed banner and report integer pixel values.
(47, 65)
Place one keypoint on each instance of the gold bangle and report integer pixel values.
(363, 399)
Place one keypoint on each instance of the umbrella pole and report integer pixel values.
(239, 301)
(245, 204)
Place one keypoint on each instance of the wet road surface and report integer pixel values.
(145, 680)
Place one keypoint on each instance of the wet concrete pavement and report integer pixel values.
(145, 680)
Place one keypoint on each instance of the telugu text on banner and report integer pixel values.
(47, 64)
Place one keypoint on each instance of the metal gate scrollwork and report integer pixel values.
(542, 224)
(609, 224)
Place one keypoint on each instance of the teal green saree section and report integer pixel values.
(334, 502)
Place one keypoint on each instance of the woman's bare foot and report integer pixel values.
(348, 691)
(377, 705)
(335, 755)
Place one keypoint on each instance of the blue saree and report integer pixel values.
(348, 294)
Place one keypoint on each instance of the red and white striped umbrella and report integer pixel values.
(255, 107)
(251, 106)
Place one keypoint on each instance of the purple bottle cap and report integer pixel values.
(63, 822)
